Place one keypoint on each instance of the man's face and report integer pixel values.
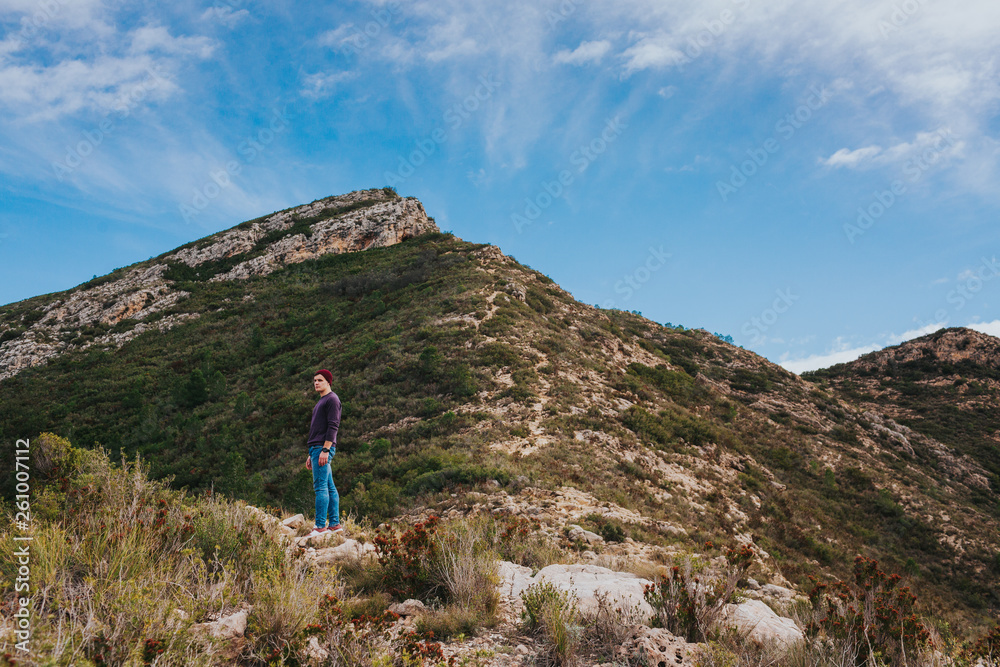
(320, 383)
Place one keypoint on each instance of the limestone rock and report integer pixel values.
(349, 549)
(327, 539)
(228, 630)
(408, 608)
(623, 590)
(656, 646)
(294, 522)
(316, 654)
(761, 623)
(578, 534)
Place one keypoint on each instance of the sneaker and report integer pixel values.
(317, 531)
(336, 529)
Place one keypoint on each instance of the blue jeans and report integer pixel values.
(327, 498)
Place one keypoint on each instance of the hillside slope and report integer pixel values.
(470, 380)
(945, 385)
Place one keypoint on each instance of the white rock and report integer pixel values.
(578, 534)
(761, 623)
(294, 522)
(316, 654)
(348, 550)
(225, 628)
(656, 646)
(623, 589)
(777, 591)
(408, 608)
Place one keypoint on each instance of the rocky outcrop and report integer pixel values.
(590, 584)
(382, 224)
(759, 623)
(142, 295)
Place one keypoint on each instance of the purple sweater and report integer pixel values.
(325, 421)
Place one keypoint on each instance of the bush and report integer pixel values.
(874, 619)
(553, 614)
(686, 606)
(985, 649)
(406, 560)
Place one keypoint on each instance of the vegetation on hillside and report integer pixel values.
(452, 363)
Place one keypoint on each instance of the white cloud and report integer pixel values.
(157, 39)
(926, 150)
(587, 52)
(76, 74)
(322, 84)
(651, 53)
(989, 328)
(842, 352)
(817, 361)
(848, 158)
(225, 15)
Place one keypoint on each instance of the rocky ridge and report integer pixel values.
(143, 297)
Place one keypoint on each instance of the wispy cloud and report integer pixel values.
(848, 158)
(587, 52)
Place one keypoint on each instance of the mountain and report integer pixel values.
(945, 385)
(472, 381)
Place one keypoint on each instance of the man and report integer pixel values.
(322, 444)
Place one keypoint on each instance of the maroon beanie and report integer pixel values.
(327, 375)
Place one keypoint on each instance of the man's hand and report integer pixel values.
(323, 458)
(309, 463)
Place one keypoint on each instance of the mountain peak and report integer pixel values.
(115, 308)
(945, 346)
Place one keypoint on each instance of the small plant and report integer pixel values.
(553, 613)
(985, 650)
(874, 618)
(687, 606)
(405, 559)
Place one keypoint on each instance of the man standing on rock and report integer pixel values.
(322, 446)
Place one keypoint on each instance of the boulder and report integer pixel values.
(294, 522)
(316, 654)
(326, 539)
(346, 551)
(761, 624)
(578, 534)
(656, 646)
(408, 608)
(588, 582)
(229, 631)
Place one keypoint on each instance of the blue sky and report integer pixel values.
(815, 179)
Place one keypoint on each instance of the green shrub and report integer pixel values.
(554, 615)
